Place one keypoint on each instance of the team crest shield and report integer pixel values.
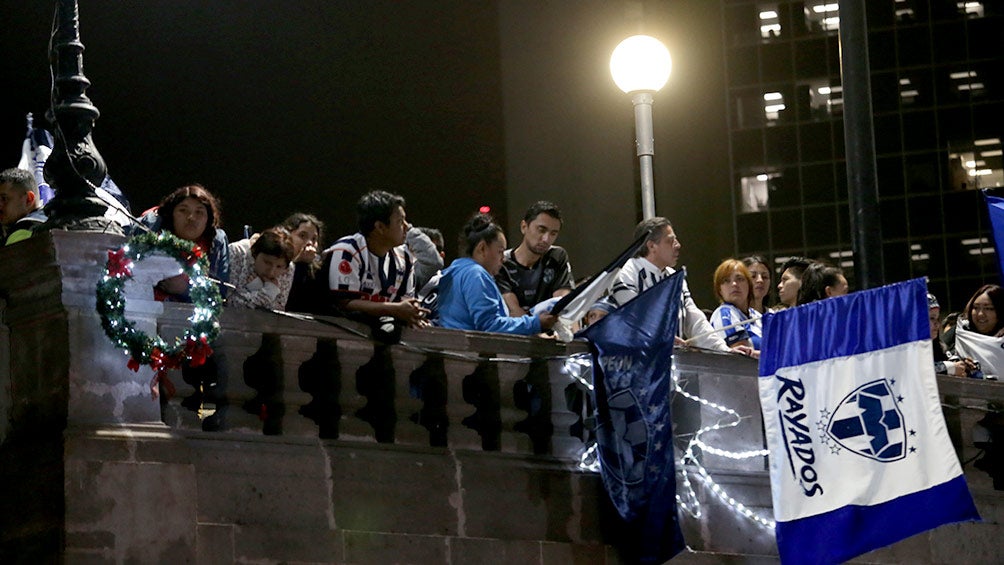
(625, 460)
(869, 422)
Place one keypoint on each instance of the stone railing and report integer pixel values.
(455, 417)
(297, 375)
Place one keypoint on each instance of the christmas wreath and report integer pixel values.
(195, 345)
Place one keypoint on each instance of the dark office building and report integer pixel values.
(938, 104)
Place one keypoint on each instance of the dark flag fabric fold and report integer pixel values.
(860, 456)
(632, 351)
(995, 209)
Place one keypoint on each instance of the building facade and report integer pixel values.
(937, 97)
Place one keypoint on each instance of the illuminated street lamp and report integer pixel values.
(640, 66)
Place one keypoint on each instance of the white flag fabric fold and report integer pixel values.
(859, 454)
(988, 350)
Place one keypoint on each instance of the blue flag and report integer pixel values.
(35, 151)
(995, 209)
(632, 349)
(860, 457)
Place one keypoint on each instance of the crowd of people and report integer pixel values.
(392, 272)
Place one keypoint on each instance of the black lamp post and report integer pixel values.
(75, 168)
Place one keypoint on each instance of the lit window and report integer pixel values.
(755, 192)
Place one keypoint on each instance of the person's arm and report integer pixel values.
(409, 310)
(483, 302)
(512, 304)
(695, 323)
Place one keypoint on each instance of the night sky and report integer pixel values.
(307, 104)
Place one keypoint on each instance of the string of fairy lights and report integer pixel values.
(579, 369)
(688, 499)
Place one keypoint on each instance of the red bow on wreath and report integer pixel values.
(118, 264)
(197, 350)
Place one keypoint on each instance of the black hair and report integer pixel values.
(996, 295)
(20, 178)
(481, 227)
(376, 206)
(296, 219)
(275, 242)
(435, 235)
(198, 192)
(654, 228)
(542, 207)
(797, 265)
(815, 278)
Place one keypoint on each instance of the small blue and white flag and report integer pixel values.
(859, 454)
(35, 150)
(632, 357)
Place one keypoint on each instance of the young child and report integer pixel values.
(260, 270)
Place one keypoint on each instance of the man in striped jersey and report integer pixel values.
(372, 272)
(653, 263)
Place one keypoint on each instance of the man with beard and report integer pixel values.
(537, 269)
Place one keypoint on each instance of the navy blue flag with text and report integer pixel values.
(632, 356)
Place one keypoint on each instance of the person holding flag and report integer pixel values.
(979, 334)
(655, 261)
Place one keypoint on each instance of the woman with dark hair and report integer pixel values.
(760, 275)
(984, 313)
(820, 281)
(734, 288)
(469, 299)
(307, 293)
(192, 213)
(979, 332)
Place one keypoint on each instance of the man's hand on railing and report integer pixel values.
(411, 312)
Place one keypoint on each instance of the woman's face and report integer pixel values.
(983, 316)
(269, 267)
(735, 290)
(190, 219)
(494, 254)
(787, 289)
(761, 280)
(305, 242)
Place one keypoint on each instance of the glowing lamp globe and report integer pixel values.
(640, 63)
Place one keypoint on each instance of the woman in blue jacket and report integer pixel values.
(468, 296)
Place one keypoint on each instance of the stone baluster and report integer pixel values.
(320, 377)
(481, 390)
(564, 444)
(407, 429)
(513, 388)
(428, 384)
(353, 354)
(459, 436)
(296, 350)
